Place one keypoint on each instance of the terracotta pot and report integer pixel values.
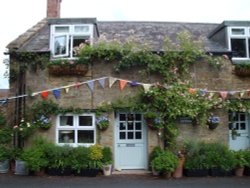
(178, 173)
(239, 171)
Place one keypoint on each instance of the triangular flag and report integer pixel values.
(231, 93)
(102, 82)
(91, 85)
(34, 94)
(242, 94)
(192, 91)
(146, 87)
(134, 83)
(56, 93)
(223, 94)
(77, 85)
(202, 92)
(122, 84)
(45, 94)
(111, 81)
(66, 89)
(211, 94)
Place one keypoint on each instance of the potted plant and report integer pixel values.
(213, 122)
(5, 156)
(165, 163)
(102, 122)
(79, 160)
(234, 134)
(240, 162)
(107, 161)
(178, 173)
(247, 167)
(155, 153)
(153, 120)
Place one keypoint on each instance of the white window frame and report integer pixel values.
(245, 36)
(75, 128)
(70, 34)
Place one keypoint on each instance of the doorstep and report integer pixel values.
(138, 172)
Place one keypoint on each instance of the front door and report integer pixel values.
(239, 130)
(130, 141)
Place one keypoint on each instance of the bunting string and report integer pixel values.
(122, 84)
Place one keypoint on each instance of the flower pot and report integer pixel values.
(154, 172)
(59, 70)
(212, 126)
(239, 171)
(196, 172)
(4, 166)
(178, 173)
(247, 171)
(20, 168)
(219, 172)
(107, 170)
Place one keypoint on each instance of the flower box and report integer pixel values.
(58, 70)
(242, 71)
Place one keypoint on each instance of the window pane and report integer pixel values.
(86, 136)
(122, 126)
(130, 126)
(130, 135)
(242, 117)
(138, 135)
(66, 136)
(60, 45)
(85, 121)
(77, 42)
(82, 29)
(238, 47)
(242, 126)
(62, 29)
(66, 120)
(122, 117)
(238, 31)
(138, 126)
(122, 136)
(138, 117)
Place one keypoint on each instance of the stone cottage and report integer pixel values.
(128, 134)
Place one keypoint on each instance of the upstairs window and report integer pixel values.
(239, 42)
(64, 38)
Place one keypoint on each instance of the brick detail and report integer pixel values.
(53, 8)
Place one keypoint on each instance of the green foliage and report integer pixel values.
(5, 135)
(244, 65)
(5, 152)
(79, 158)
(2, 120)
(107, 155)
(166, 162)
(201, 155)
(95, 156)
(240, 158)
(247, 157)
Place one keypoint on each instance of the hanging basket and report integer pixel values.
(59, 70)
(241, 71)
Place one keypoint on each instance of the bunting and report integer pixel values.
(91, 85)
(111, 81)
(102, 82)
(122, 83)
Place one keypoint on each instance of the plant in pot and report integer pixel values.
(213, 122)
(196, 163)
(165, 163)
(153, 120)
(102, 122)
(80, 160)
(155, 153)
(107, 161)
(95, 160)
(5, 156)
(178, 173)
(247, 167)
(240, 162)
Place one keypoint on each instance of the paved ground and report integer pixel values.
(119, 181)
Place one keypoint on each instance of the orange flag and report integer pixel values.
(192, 91)
(122, 84)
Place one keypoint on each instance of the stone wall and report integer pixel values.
(202, 76)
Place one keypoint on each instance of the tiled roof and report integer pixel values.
(153, 33)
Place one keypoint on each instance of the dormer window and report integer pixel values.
(239, 42)
(64, 38)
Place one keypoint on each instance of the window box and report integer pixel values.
(242, 71)
(59, 70)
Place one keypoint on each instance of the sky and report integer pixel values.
(17, 16)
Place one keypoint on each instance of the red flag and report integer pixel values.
(45, 94)
(223, 94)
